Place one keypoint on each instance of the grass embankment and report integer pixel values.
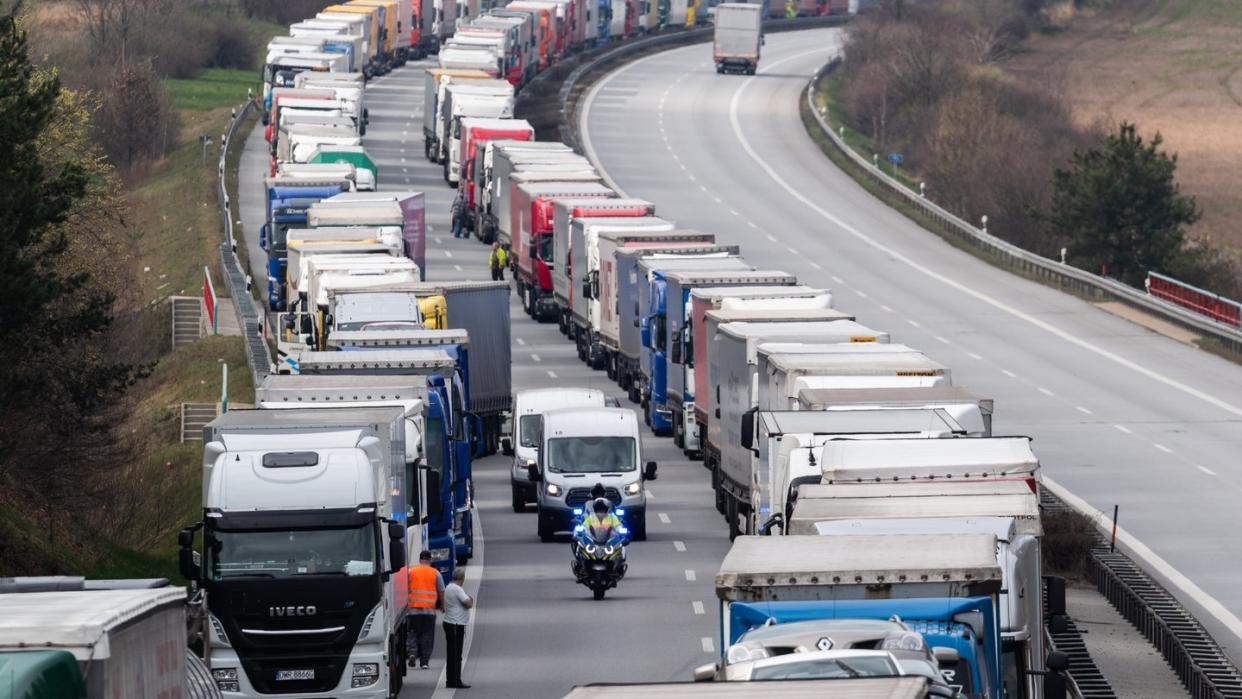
(828, 105)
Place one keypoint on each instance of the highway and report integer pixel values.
(536, 632)
(1119, 414)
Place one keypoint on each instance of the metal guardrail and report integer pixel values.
(1193, 654)
(249, 314)
(1028, 263)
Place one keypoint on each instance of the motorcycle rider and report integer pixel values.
(602, 522)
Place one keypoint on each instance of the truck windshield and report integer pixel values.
(545, 248)
(591, 455)
(828, 668)
(274, 553)
(529, 432)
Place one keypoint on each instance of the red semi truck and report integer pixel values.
(475, 134)
(532, 252)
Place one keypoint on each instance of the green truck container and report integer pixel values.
(367, 175)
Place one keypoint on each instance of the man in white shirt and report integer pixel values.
(457, 606)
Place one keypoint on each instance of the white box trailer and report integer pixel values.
(737, 37)
(914, 461)
(493, 100)
(784, 369)
(971, 411)
(435, 80)
(577, 281)
(763, 485)
(534, 168)
(733, 373)
(494, 156)
(127, 643)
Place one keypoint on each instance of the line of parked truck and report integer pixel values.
(858, 482)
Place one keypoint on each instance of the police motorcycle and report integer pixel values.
(599, 552)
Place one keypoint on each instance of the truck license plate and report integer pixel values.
(295, 675)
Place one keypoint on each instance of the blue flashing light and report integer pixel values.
(620, 512)
(578, 529)
(578, 511)
(624, 531)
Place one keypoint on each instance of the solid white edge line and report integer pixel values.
(1150, 559)
(945, 279)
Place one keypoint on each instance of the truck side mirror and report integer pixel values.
(532, 470)
(434, 505)
(674, 353)
(396, 548)
(506, 446)
(649, 471)
(187, 566)
(595, 284)
(586, 287)
(747, 429)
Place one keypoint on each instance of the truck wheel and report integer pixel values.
(633, 393)
(519, 499)
(679, 439)
(720, 495)
(610, 365)
(597, 593)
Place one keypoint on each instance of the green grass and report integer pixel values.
(214, 88)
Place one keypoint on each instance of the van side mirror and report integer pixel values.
(506, 446)
(649, 471)
(747, 429)
(532, 470)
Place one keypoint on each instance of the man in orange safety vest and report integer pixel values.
(425, 595)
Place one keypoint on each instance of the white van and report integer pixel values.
(527, 427)
(580, 447)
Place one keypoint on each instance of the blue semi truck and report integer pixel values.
(288, 199)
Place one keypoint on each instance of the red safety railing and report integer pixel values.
(1212, 305)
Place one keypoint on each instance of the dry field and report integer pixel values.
(1166, 65)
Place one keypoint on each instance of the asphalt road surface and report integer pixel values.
(1120, 415)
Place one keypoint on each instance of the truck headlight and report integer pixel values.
(634, 488)
(226, 679)
(552, 489)
(440, 554)
(365, 674)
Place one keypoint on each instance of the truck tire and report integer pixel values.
(731, 515)
(610, 365)
(632, 393)
(719, 490)
(519, 499)
(679, 439)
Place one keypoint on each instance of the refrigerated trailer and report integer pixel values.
(738, 37)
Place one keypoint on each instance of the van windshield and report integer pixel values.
(591, 455)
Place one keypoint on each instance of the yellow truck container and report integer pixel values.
(390, 24)
(380, 62)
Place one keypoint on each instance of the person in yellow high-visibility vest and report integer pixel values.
(791, 9)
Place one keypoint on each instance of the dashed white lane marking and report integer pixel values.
(860, 293)
(439, 240)
(708, 645)
(448, 253)
(1045, 391)
(536, 357)
(520, 341)
(1009, 373)
(914, 323)
(1083, 410)
(1162, 448)
(692, 177)
(837, 279)
(681, 165)
(664, 518)
(886, 309)
(703, 188)
(792, 251)
(717, 199)
(690, 576)
(679, 546)
(751, 224)
(551, 374)
(1123, 428)
(816, 265)
(943, 340)
(734, 212)
(457, 267)
(1206, 470)
(974, 356)
(770, 237)
(697, 606)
